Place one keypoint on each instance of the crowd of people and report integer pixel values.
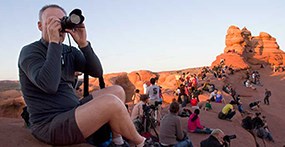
(59, 117)
(278, 68)
(187, 95)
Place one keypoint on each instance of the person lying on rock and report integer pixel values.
(260, 127)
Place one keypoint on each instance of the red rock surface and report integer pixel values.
(233, 60)
(261, 49)
(15, 135)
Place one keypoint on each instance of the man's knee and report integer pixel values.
(118, 88)
(119, 91)
(107, 99)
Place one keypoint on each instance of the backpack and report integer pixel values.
(247, 123)
(221, 115)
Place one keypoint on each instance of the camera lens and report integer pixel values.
(74, 19)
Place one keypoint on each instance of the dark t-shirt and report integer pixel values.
(247, 123)
(267, 93)
(257, 122)
(46, 73)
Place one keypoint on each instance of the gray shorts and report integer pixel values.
(62, 130)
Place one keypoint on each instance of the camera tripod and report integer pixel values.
(149, 121)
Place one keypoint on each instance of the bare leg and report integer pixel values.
(103, 109)
(115, 90)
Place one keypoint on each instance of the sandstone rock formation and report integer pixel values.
(234, 40)
(233, 60)
(248, 49)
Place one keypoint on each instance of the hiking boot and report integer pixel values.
(126, 144)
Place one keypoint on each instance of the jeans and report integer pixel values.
(206, 131)
(184, 143)
(240, 109)
(266, 100)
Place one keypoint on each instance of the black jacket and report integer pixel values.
(211, 142)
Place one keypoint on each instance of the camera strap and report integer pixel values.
(86, 84)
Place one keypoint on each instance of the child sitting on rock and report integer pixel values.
(208, 105)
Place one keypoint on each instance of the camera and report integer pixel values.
(228, 138)
(156, 104)
(72, 21)
(147, 108)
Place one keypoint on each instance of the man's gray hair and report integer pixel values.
(215, 132)
(49, 6)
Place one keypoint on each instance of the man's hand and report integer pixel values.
(53, 29)
(79, 35)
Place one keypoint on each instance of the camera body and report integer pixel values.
(228, 138)
(72, 21)
(146, 108)
(156, 103)
(155, 106)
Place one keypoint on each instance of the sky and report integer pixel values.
(156, 35)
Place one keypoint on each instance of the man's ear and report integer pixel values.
(40, 27)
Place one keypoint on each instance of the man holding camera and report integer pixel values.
(46, 72)
(216, 139)
(138, 111)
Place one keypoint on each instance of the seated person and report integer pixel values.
(137, 111)
(194, 103)
(249, 84)
(219, 97)
(228, 111)
(184, 100)
(208, 87)
(194, 125)
(254, 105)
(213, 95)
(214, 140)
(46, 74)
(208, 105)
(171, 132)
(136, 96)
(226, 88)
